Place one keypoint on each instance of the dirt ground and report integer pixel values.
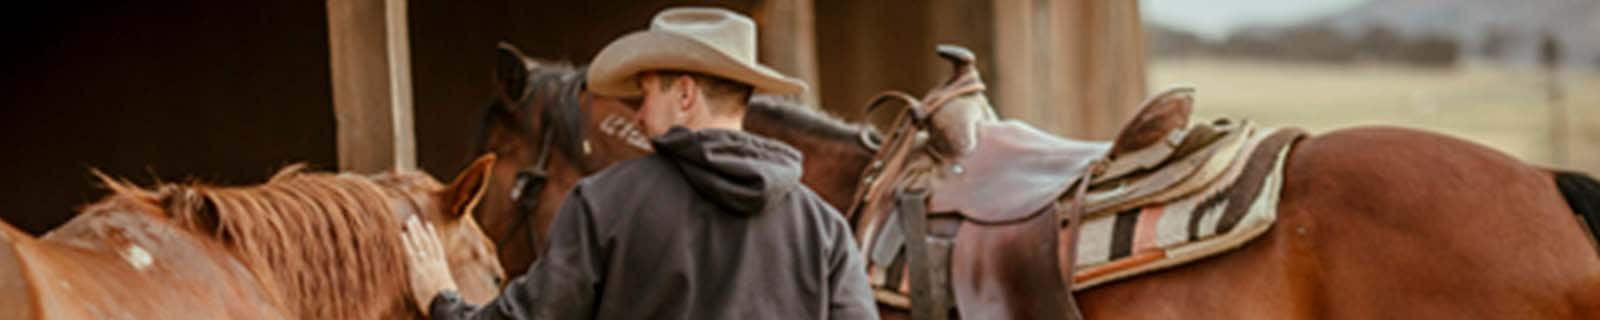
(1504, 107)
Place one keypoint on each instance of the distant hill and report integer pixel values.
(1508, 31)
(1514, 27)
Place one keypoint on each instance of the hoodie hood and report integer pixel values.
(739, 171)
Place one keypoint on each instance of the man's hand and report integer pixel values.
(430, 273)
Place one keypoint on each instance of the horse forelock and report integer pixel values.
(560, 86)
(328, 243)
(554, 88)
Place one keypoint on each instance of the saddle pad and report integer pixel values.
(1240, 206)
(1176, 178)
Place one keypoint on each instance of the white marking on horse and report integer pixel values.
(626, 129)
(137, 257)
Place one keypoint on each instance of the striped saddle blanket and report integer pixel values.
(1213, 193)
(1228, 199)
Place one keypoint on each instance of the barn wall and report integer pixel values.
(215, 91)
(866, 47)
(228, 91)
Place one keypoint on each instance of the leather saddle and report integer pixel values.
(996, 204)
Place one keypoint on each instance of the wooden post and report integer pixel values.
(371, 61)
(1014, 84)
(1073, 67)
(788, 41)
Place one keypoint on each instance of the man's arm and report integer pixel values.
(562, 284)
(851, 296)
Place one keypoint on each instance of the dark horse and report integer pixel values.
(549, 132)
(302, 246)
(1373, 222)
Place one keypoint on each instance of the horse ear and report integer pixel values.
(511, 70)
(464, 193)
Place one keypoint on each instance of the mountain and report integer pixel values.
(1499, 30)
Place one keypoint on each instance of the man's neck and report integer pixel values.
(725, 121)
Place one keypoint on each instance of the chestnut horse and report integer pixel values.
(1373, 222)
(549, 132)
(1383, 222)
(301, 246)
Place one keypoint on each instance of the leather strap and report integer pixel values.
(1074, 216)
(912, 206)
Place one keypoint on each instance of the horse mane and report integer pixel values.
(794, 115)
(327, 244)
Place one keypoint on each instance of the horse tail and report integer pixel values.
(1583, 196)
(16, 294)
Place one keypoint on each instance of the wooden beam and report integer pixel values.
(372, 101)
(788, 41)
(1014, 84)
(1072, 67)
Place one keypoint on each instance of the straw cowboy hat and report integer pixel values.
(710, 41)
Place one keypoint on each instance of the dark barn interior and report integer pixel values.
(228, 92)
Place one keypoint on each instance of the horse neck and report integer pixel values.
(834, 156)
(328, 244)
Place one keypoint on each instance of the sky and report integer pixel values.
(1215, 19)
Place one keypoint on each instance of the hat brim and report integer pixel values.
(614, 70)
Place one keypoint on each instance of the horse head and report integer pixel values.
(548, 133)
(471, 253)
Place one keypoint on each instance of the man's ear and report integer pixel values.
(688, 92)
(464, 193)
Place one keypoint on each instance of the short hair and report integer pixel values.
(713, 87)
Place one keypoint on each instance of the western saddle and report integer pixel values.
(997, 204)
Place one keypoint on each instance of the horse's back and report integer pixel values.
(126, 264)
(1378, 222)
(1455, 228)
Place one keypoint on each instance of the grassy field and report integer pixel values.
(1505, 108)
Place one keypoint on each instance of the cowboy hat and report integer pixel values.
(710, 41)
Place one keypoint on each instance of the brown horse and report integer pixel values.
(1373, 222)
(302, 246)
(549, 132)
(1383, 222)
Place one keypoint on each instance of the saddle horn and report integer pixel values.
(960, 59)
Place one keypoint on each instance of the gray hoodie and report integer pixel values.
(715, 225)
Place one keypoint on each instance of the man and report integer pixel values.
(714, 225)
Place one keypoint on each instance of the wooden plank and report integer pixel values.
(788, 41)
(372, 100)
(1072, 67)
(1012, 82)
(871, 46)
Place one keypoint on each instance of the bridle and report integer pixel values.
(530, 180)
(525, 190)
